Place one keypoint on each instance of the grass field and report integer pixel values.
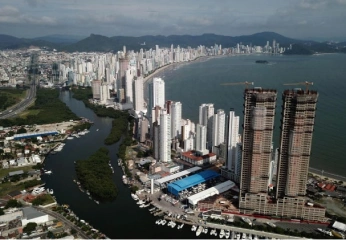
(29, 112)
(4, 172)
(8, 187)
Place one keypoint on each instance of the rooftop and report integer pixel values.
(31, 213)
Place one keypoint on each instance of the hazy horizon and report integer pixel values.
(318, 20)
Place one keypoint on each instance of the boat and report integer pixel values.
(69, 138)
(262, 61)
(193, 228)
(140, 202)
(134, 196)
(146, 205)
(181, 226)
(97, 130)
(337, 234)
(87, 192)
(50, 191)
(158, 222)
(244, 236)
(152, 209)
(246, 220)
(222, 233)
(227, 234)
(271, 224)
(97, 202)
(163, 222)
(173, 224)
(199, 231)
(205, 230)
(48, 172)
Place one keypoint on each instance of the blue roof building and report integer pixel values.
(34, 134)
(191, 181)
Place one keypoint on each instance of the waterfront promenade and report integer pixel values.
(323, 174)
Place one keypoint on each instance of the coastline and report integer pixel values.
(330, 176)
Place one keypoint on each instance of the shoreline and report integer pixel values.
(331, 176)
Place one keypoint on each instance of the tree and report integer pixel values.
(21, 130)
(1, 212)
(12, 203)
(73, 231)
(31, 226)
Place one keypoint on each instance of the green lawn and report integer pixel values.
(8, 187)
(29, 112)
(4, 172)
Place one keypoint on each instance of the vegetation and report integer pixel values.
(43, 200)
(31, 183)
(95, 175)
(13, 203)
(31, 226)
(82, 126)
(119, 127)
(51, 109)
(9, 97)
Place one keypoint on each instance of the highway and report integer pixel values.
(20, 107)
(64, 220)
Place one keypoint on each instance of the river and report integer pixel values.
(121, 218)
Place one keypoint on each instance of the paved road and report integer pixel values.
(20, 107)
(64, 220)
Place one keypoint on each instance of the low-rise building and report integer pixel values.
(193, 158)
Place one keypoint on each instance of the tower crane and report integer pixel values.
(306, 83)
(238, 83)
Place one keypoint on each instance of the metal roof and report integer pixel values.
(191, 181)
(33, 134)
(31, 213)
(15, 173)
(223, 187)
(177, 175)
(340, 226)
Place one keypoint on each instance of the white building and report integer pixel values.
(156, 94)
(176, 112)
(201, 139)
(206, 113)
(165, 137)
(138, 94)
(128, 86)
(30, 214)
(233, 161)
(218, 136)
(104, 93)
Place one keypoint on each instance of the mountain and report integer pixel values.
(101, 43)
(58, 38)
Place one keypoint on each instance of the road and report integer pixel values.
(64, 220)
(20, 107)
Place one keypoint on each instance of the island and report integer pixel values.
(95, 175)
(262, 61)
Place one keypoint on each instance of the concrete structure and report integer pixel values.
(191, 181)
(218, 189)
(259, 112)
(298, 119)
(165, 137)
(128, 85)
(176, 112)
(201, 139)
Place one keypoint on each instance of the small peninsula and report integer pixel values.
(95, 175)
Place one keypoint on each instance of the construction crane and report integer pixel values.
(237, 83)
(306, 83)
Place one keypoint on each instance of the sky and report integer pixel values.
(301, 19)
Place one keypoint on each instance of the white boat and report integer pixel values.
(158, 222)
(97, 202)
(140, 202)
(193, 228)
(173, 224)
(181, 226)
(222, 233)
(141, 206)
(97, 130)
(244, 236)
(169, 214)
(199, 231)
(50, 191)
(205, 230)
(87, 192)
(163, 222)
(48, 172)
(69, 138)
(134, 196)
(227, 234)
(271, 224)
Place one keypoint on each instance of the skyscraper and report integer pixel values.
(201, 139)
(218, 130)
(96, 88)
(232, 140)
(138, 94)
(206, 112)
(259, 112)
(156, 94)
(165, 137)
(298, 118)
(176, 112)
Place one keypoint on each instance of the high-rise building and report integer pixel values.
(201, 140)
(259, 112)
(156, 94)
(96, 88)
(298, 118)
(176, 112)
(128, 86)
(138, 94)
(233, 164)
(218, 130)
(206, 113)
(165, 137)
(121, 79)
